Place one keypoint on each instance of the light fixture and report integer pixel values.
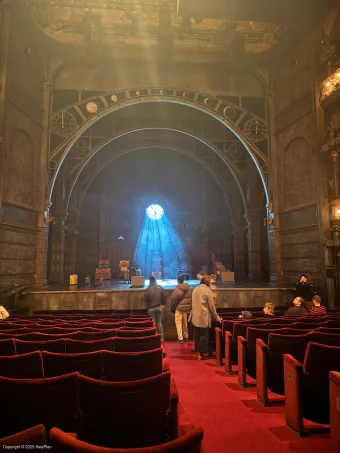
(154, 212)
(121, 238)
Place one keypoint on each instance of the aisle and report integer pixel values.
(232, 419)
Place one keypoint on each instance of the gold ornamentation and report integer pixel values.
(91, 107)
(330, 88)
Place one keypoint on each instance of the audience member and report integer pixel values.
(3, 313)
(245, 315)
(181, 303)
(268, 310)
(153, 298)
(304, 289)
(298, 309)
(203, 309)
(317, 309)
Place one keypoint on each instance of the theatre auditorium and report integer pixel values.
(170, 226)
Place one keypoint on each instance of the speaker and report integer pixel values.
(137, 282)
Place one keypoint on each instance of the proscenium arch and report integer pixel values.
(214, 107)
(133, 149)
(108, 140)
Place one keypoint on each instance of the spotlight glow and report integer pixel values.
(155, 212)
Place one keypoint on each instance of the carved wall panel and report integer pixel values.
(17, 255)
(297, 174)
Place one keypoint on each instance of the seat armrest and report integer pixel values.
(293, 372)
(185, 428)
(173, 412)
(242, 361)
(262, 372)
(219, 346)
(228, 353)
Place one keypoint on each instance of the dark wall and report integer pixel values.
(22, 130)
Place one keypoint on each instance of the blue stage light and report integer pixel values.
(155, 212)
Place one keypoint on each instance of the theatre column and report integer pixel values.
(44, 217)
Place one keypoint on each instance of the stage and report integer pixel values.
(116, 295)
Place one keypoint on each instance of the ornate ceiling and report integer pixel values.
(142, 23)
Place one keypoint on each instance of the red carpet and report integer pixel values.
(232, 419)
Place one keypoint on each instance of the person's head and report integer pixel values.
(200, 275)
(316, 301)
(152, 279)
(205, 280)
(299, 302)
(247, 315)
(303, 279)
(181, 279)
(269, 308)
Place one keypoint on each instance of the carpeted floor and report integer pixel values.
(232, 418)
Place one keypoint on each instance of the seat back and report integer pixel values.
(22, 347)
(135, 344)
(319, 360)
(100, 335)
(132, 366)
(7, 347)
(191, 442)
(258, 333)
(77, 346)
(334, 401)
(89, 364)
(50, 402)
(136, 333)
(111, 410)
(31, 436)
(24, 366)
(138, 324)
(277, 346)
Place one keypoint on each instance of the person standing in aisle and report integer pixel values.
(203, 310)
(181, 302)
(153, 298)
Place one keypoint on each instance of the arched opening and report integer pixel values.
(206, 145)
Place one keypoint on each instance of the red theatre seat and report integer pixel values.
(138, 324)
(132, 366)
(51, 402)
(307, 385)
(31, 436)
(125, 414)
(334, 401)
(24, 366)
(100, 335)
(136, 333)
(23, 347)
(77, 346)
(136, 344)
(89, 364)
(189, 441)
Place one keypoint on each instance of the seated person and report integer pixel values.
(245, 315)
(268, 310)
(298, 309)
(3, 313)
(317, 309)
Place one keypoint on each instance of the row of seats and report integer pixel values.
(289, 361)
(99, 412)
(140, 411)
(189, 440)
(104, 365)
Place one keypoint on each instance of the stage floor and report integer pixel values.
(166, 284)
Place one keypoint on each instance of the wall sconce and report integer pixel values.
(330, 88)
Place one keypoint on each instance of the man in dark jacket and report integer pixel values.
(153, 297)
(304, 289)
(298, 309)
(181, 306)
